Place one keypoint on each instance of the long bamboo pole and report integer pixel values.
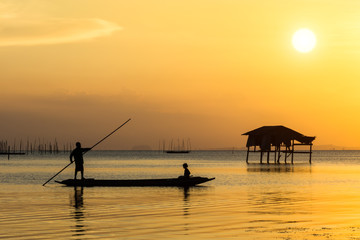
(88, 150)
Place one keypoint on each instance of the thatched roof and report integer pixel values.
(275, 135)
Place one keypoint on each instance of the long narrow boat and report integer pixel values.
(167, 182)
(180, 151)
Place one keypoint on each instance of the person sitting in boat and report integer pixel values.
(186, 171)
(77, 154)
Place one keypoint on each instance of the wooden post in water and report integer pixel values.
(275, 154)
(292, 152)
(279, 155)
(247, 155)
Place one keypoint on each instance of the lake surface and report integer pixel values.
(300, 201)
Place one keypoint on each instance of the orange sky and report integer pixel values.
(204, 70)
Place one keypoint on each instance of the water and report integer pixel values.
(300, 201)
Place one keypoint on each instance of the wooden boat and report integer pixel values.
(185, 151)
(180, 148)
(167, 182)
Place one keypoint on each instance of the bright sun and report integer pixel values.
(304, 40)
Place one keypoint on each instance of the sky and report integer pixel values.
(204, 70)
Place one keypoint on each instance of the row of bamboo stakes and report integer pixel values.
(36, 146)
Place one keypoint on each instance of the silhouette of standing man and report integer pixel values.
(77, 153)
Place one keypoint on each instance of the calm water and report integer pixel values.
(254, 201)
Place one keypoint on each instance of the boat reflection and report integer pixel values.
(186, 209)
(186, 193)
(186, 201)
(191, 198)
(77, 203)
(78, 197)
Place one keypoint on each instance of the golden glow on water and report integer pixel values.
(201, 213)
(244, 202)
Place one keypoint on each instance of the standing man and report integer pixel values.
(77, 153)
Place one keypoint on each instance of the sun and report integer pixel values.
(304, 40)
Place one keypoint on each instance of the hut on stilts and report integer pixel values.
(277, 140)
